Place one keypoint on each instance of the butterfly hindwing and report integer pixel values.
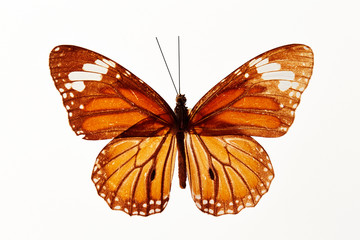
(133, 174)
(226, 173)
(102, 98)
(257, 99)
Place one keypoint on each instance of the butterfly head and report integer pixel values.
(180, 99)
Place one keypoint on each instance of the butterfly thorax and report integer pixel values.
(181, 113)
(182, 120)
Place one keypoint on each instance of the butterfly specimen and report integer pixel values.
(227, 170)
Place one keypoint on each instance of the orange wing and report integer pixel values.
(103, 99)
(227, 169)
(259, 98)
(226, 173)
(134, 174)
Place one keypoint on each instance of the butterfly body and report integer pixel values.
(227, 170)
(182, 117)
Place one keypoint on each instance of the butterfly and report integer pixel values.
(226, 168)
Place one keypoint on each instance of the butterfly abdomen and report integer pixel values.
(182, 117)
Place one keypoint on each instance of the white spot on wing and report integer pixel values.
(237, 72)
(279, 75)
(78, 86)
(284, 85)
(111, 63)
(127, 73)
(68, 85)
(78, 75)
(254, 61)
(101, 63)
(95, 68)
(295, 85)
(263, 62)
(269, 68)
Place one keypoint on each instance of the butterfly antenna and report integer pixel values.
(179, 61)
(172, 80)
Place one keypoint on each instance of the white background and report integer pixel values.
(46, 191)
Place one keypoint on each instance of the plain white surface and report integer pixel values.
(46, 191)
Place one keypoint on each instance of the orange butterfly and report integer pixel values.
(226, 168)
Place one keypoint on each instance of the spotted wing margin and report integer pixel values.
(259, 98)
(103, 99)
(226, 173)
(133, 174)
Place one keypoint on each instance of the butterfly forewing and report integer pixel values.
(259, 98)
(103, 99)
